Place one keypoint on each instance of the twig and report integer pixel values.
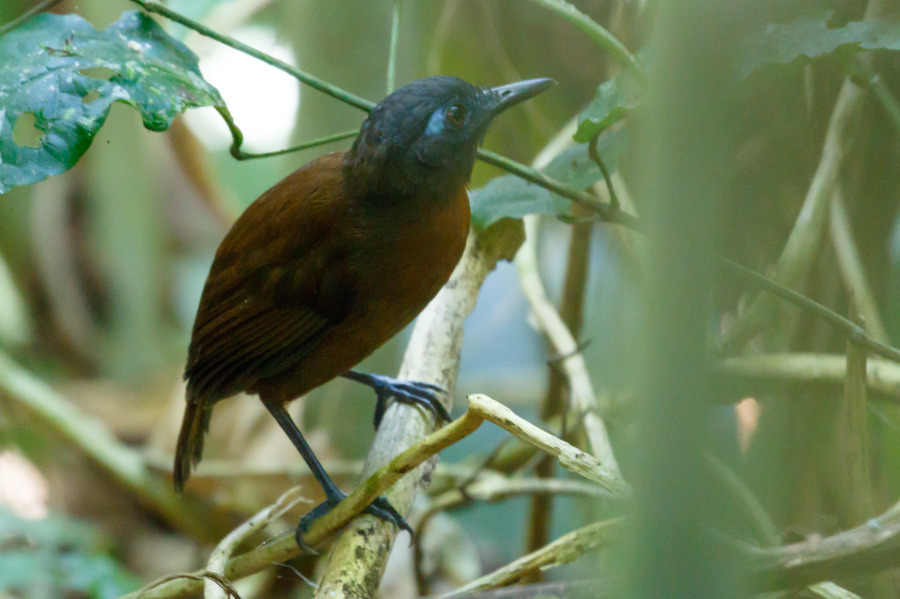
(598, 33)
(392, 51)
(28, 15)
(237, 137)
(323, 86)
(564, 550)
(491, 489)
(584, 401)
(874, 81)
(852, 270)
(810, 369)
(602, 209)
(555, 400)
(595, 156)
(227, 546)
(570, 458)
(123, 463)
(853, 331)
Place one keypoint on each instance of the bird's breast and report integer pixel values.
(411, 257)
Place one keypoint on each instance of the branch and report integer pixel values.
(563, 550)
(213, 589)
(494, 488)
(597, 32)
(871, 547)
(549, 321)
(853, 331)
(882, 378)
(852, 270)
(284, 546)
(392, 52)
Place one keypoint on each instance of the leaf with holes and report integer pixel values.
(59, 76)
(512, 197)
(810, 37)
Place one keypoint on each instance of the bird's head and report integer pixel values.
(423, 137)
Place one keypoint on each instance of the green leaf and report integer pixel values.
(59, 76)
(612, 103)
(58, 557)
(810, 37)
(512, 197)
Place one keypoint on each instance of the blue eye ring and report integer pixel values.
(455, 114)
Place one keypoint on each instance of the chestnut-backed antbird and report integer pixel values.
(337, 258)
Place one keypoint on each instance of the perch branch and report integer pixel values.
(284, 547)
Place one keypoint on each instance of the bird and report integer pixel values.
(337, 258)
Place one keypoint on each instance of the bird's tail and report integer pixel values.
(190, 440)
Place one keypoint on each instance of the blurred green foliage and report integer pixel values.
(56, 557)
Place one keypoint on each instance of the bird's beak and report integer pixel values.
(506, 96)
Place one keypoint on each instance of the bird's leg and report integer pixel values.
(380, 508)
(411, 392)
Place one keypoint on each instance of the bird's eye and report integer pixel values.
(456, 114)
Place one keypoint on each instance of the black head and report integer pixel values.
(423, 137)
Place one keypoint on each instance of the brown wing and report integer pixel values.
(278, 283)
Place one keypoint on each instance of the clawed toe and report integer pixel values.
(381, 508)
(426, 395)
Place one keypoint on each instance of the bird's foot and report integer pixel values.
(381, 508)
(410, 392)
